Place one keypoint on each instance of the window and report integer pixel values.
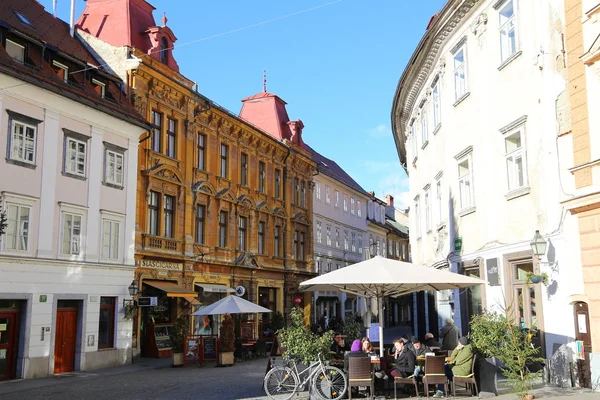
(171, 138)
(200, 216)
(224, 160)
(435, 98)
(390, 248)
(106, 324)
(242, 233)
(319, 232)
(99, 87)
(465, 186)
(337, 199)
(417, 218)
(354, 241)
(244, 169)
(71, 237)
(296, 191)
(427, 206)
(110, 239)
(346, 243)
(261, 176)
(295, 245)
(327, 195)
(460, 74)
(358, 209)
(23, 142)
(413, 138)
(169, 209)
(153, 213)
(438, 201)
(337, 237)
(398, 249)
(113, 173)
(301, 248)
(22, 18)
(61, 70)
(319, 267)
(352, 206)
(276, 241)
(508, 28)
(378, 247)
(515, 161)
(345, 203)
(360, 246)
(277, 184)
(328, 228)
(261, 237)
(75, 154)
(404, 249)
(16, 236)
(164, 50)
(424, 124)
(328, 267)
(223, 229)
(156, 133)
(318, 190)
(302, 194)
(15, 50)
(201, 151)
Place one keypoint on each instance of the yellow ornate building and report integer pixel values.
(221, 204)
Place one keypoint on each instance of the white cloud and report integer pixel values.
(381, 130)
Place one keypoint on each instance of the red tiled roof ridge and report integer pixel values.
(263, 95)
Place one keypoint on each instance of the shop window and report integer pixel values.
(106, 324)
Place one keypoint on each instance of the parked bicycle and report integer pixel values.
(326, 381)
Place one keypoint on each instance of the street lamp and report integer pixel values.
(133, 291)
(538, 245)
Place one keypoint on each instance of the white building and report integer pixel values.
(475, 123)
(340, 231)
(68, 186)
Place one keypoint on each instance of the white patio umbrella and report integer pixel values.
(231, 305)
(379, 277)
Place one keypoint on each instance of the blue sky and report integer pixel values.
(336, 66)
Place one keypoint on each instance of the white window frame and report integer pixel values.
(435, 104)
(74, 211)
(113, 219)
(462, 182)
(438, 200)
(64, 68)
(19, 201)
(417, 218)
(413, 138)
(353, 234)
(318, 190)
(101, 85)
(22, 157)
(337, 238)
(328, 231)
(398, 249)
(424, 124)
(504, 29)
(427, 208)
(112, 178)
(360, 247)
(346, 243)
(13, 43)
(327, 194)
(512, 174)
(70, 165)
(390, 247)
(352, 206)
(358, 208)
(337, 199)
(345, 203)
(462, 89)
(319, 232)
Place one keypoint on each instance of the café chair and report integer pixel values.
(360, 373)
(468, 381)
(409, 380)
(435, 373)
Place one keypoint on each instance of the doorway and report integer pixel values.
(9, 331)
(65, 339)
(584, 335)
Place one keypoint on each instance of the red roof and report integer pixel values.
(267, 112)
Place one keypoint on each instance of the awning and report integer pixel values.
(171, 289)
(193, 301)
(212, 288)
(327, 299)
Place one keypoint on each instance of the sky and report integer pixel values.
(335, 62)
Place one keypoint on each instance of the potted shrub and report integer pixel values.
(536, 278)
(299, 340)
(226, 341)
(178, 332)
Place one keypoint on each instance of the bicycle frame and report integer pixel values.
(303, 382)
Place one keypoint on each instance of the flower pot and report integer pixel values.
(178, 359)
(536, 278)
(226, 358)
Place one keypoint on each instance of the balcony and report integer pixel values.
(162, 244)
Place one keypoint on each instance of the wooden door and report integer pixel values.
(65, 341)
(8, 345)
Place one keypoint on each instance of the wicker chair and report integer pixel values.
(360, 373)
(409, 380)
(435, 373)
(468, 380)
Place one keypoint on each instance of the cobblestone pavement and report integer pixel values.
(153, 380)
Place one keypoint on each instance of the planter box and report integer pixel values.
(178, 359)
(226, 358)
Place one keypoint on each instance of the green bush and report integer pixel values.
(353, 327)
(297, 339)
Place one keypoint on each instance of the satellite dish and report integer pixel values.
(240, 291)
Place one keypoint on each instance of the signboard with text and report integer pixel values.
(164, 265)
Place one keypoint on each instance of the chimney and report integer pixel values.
(54, 7)
(72, 23)
(390, 200)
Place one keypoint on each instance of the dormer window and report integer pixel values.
(15, 50)
(61, 70)
(99, 87)
(22, 18)
(164, 51)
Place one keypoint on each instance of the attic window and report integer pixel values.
(324, 164)
(99, 87)
(61, 70)
(164, 50)
(22, 18)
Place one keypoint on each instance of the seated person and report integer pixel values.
(431, 342)
(355, 351)
(338, 346)
(419, 350)
(459, 364)
(367, 348)
(404, 359)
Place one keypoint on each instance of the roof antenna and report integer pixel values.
(265, 81)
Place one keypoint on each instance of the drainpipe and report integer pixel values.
(284, 235)
(72, 22)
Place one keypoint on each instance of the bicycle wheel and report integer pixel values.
(280, 383)
(330, 383)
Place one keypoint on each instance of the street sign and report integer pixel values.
(148, 301)
(298, 300)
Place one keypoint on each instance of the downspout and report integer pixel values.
(284, 233)
(314, 301)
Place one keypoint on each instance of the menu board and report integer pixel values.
(209, 348)
(247, 329)
(162, 335)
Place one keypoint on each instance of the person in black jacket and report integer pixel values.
(404, 358)
(431, 342)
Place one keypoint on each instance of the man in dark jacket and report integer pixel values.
(418, 348)
(404, 358)
(431, 342)
(449, 335)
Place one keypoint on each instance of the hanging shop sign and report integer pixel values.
(164, 265)
(298, 300)
(148, 301)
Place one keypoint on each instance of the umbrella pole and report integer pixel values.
(380, 312)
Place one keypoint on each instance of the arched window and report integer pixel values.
(164, 51)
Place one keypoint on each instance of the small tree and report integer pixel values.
(494, 335)
(227, 337)
(178, 332)
(353, 327)
(297, 339)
